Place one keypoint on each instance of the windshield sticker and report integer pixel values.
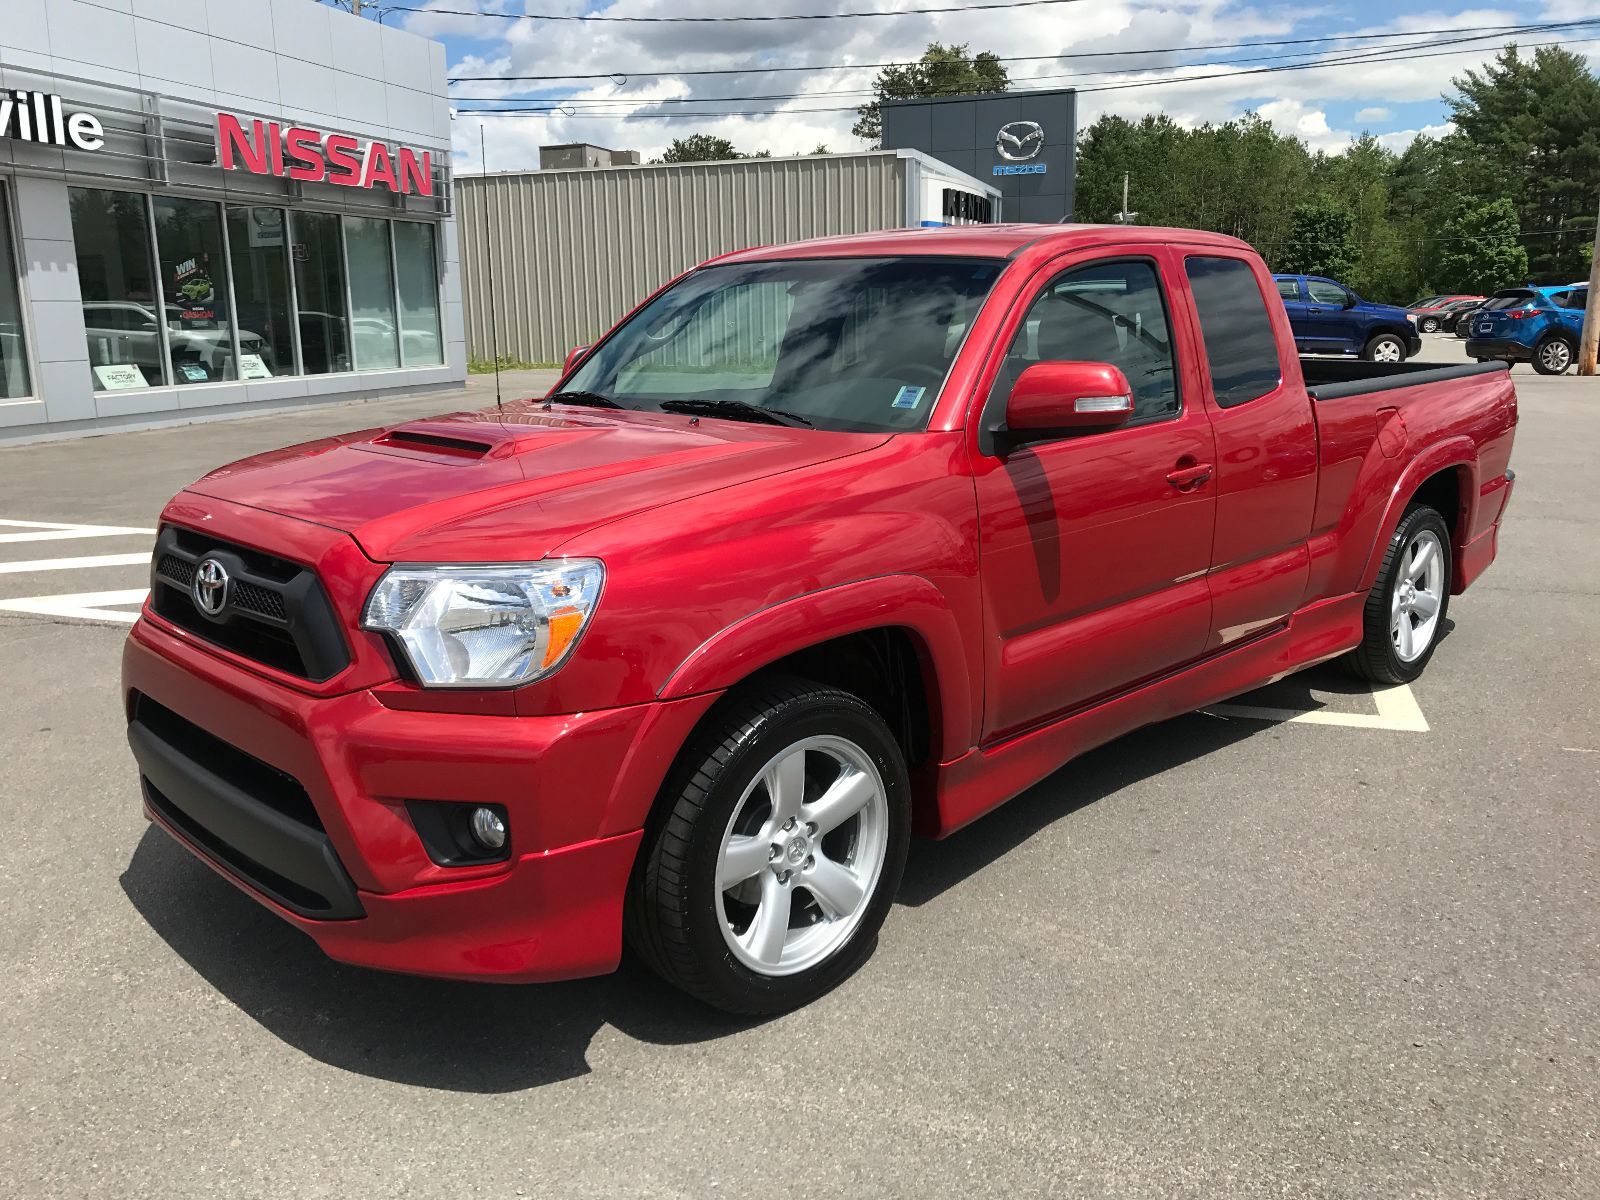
(909, 397)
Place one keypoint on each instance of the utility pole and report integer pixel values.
(1591, 311)
(1125, 217)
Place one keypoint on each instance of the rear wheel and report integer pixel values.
(1406, 608)
(1386, 348)
(768, 874)
(1554, 355)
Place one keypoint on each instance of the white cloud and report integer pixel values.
(1297, 101)
(1400, 139)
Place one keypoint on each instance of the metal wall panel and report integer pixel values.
(575, 250)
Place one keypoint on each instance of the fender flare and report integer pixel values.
(1458, 453)
(909, 602)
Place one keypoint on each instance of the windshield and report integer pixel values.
(854, 344)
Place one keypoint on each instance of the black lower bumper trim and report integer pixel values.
(290, 863)
(1498, 348)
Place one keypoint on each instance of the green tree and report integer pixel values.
(1480, 248)
(941, 71)
(1529, 129)
(1321, 241)
(700, 147)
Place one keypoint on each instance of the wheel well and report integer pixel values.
(884, 667)
(1444, 493)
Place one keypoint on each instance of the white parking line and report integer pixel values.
(69, 564)
(1398, 711)
(85, 606)
(43, 531)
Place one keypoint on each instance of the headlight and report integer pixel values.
(488, 626)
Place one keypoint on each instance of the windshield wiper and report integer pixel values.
(736, 410)
(592, 399)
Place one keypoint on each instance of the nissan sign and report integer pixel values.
(311, 156)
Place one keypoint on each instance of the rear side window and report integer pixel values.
(1289, 289)
(1240, 346)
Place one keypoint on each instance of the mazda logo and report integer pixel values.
(1018, 141)
(210, 586)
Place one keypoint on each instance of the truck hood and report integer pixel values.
(512, 486)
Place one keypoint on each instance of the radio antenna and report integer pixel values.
(488, 260)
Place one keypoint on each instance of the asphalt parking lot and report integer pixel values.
(1355, 954)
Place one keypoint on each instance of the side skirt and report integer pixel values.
(986, 777)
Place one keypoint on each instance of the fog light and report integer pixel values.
(488, 830)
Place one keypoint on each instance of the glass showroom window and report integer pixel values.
(259, 254)
(319, 284)
(194, 282)
(372, 316)
(417, 273)
(116, 275)
(13, 354)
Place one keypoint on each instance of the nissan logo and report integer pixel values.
(1018, 141)
(210, 587)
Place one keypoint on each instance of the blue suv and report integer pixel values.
(1328, 318)
(1532, 325)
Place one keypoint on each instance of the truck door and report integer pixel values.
(1332, 324)
(1266, 439)
(1094, 547)
(1292, 292)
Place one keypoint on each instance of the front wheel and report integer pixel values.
(777, 852)
(1553, 356)
(1428, 325)
(1385, 348)
(1406, 608)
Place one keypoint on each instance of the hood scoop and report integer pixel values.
(432, 443)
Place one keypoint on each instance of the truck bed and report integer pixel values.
(1333, 378)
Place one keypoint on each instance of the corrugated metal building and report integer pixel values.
(574, 250)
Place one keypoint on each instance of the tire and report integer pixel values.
(1428, 325)
(716, 942)
(1385, 655)
(1554, 355)
(1385, 347)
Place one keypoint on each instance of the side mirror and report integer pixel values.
(1349, 301)
(1066, 397)
(574, 357)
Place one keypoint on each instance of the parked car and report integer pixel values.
(1429, 315)
(1450, 315)
(1532, 325)
(821, 543)
(1328, 318)
(127, 332)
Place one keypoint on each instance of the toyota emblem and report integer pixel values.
(210, 586)
(1018, 141)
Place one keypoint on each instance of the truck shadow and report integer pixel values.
(486, 1038)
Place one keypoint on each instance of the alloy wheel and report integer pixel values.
(1387, 351)
(1418, 596)
(1556, 356)
(801, 856)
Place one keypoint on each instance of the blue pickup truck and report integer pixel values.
(1532, 325)
(1328, 318)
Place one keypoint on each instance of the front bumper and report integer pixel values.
(301, 801)
(1413, 344)
(1502, 348)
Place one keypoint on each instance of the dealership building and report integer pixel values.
(210, 207)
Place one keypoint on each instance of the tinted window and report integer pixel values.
(1240, 346)
(1501, 301)
(1289, 289)
(857, 344)
(1106, 312)
(1576, 298)
(1325, 293)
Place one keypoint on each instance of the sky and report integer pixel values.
(1394, 94)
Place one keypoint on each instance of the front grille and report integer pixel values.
(251, 819)
(279, 791)
(274, 611)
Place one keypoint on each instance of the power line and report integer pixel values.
(562, 103)
(569, 108)
(623, 76)
(600, 17)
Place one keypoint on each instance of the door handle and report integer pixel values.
(1189, 477)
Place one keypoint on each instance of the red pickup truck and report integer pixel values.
(822, 544)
